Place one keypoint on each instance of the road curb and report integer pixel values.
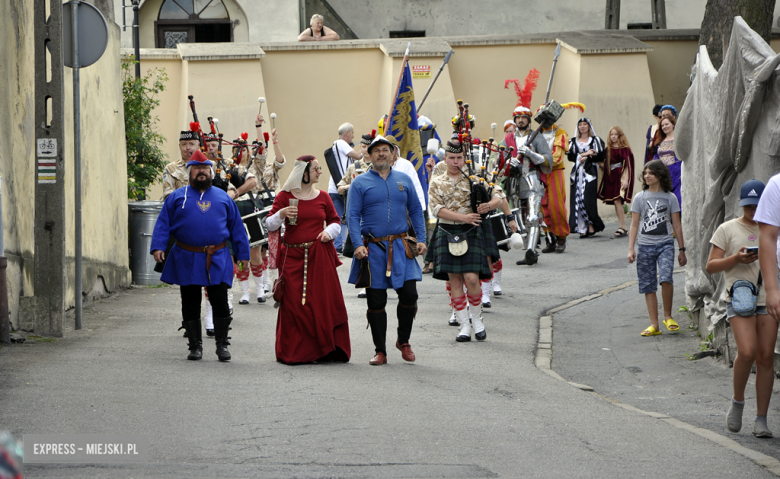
(544, 354)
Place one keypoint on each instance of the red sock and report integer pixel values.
(498, 266)
(459, 303)
(474, 300)
(242, 275)
(257, 269)
(449, 292)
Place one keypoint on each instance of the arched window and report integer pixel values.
(192, 21)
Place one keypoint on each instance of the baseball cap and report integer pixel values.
(750, 192)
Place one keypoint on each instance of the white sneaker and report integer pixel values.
(497, 283)
(244, 292)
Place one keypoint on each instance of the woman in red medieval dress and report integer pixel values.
(617, 182)
(312, 322)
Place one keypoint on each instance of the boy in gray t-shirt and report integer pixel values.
(655, 223)
(655, 211)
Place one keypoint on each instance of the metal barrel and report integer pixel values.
(143, 216)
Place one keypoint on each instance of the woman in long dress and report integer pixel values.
(586, 150)
(617, 183)
(312, 322)
(664, 151)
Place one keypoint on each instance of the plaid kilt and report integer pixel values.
(475, 259)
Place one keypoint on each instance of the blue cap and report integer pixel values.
(750, 192)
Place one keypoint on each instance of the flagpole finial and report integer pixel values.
(408, 46)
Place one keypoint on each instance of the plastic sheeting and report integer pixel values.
(728, 132)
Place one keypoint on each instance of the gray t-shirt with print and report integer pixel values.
(655, 216)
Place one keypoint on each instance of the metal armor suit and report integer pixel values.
(536, 158)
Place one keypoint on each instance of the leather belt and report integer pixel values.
(390, 240)
(305, 247)
(208, 250)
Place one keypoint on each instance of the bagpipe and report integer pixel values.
(217, 181)
(478, 156)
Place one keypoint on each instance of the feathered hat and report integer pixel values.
(367, 139)
(525, 93)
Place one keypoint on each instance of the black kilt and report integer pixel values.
(476, 258)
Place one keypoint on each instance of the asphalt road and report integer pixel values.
(460, 411)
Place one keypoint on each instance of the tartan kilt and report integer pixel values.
(475, 259)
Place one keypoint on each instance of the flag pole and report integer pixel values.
(397, 88)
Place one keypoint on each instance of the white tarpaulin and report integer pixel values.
(728, 132)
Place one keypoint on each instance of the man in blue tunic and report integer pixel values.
(201, 219)
(383, 202)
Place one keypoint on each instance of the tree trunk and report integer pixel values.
(719, 18)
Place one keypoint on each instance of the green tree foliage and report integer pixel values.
(145, 158)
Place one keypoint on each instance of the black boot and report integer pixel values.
(193, 332)
(221, 327)
(377, 319)
(552, 242)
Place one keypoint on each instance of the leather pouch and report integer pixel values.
(457, 244)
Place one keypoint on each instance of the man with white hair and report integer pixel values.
(344, 155)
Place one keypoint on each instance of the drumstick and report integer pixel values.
(260, 100)
(273, 120)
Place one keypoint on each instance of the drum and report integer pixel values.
(255, 227)
(501, 230)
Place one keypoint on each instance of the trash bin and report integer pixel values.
(143, 216)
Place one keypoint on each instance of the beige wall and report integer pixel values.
(313, 91)
(17, 160)
(103, 159)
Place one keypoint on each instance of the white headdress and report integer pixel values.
(295, 180)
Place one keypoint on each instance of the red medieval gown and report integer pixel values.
(621, 166)
(318, 329)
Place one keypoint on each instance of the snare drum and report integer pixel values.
(255, 227)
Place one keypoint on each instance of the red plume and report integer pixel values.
(266, 136)
(373, 133)
(194, 126)
(524, 94)
(476, 141)
(244, 136)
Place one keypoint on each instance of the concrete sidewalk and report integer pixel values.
(598, 343)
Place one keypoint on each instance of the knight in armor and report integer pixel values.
(524, 185)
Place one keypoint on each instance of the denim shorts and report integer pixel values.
(654, 263)
(730, 311)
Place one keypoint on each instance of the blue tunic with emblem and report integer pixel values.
(380, 207)
(199, 220)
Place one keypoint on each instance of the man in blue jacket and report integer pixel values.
(201, 219)
(380, 201)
